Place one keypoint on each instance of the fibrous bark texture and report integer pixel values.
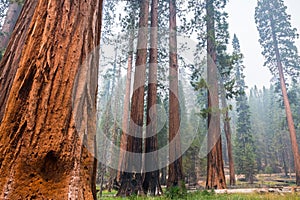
(215, 169)
(151, 182)
(11, 59)
(131, 177)
(175, 176)
(48, 128)
(125, 122)
(227, 130)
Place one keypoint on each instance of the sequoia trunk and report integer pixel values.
(175, 176)
(215, 169)
(227, 130)
(131, 178)
(125, 117)
(48, 129)
(11, 59)
(151, 183)
(287, 106)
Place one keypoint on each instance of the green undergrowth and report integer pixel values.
(208, 195)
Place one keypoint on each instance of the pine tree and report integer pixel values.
(244, 144)
(277, 39)
(257, 123)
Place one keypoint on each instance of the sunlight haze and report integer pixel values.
(242, 23)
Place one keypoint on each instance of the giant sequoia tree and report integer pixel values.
(125, 116)
(215, 170)
(175, 176)
(151, 182)
(48, 128)
(131, 177)
(277, 39)
(225, 65)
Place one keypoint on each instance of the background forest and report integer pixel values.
(168, 94)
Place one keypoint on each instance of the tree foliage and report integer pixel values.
(244, 143)
(270, 12)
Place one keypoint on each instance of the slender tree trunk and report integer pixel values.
(225, 150)
(102, 169)
(215, 169)
(285, 168)
(287, 106)
(163, 178)
(103, 141)
(131, 178)
(48, 129)
(192, 174)
(227, 130)
(229, 149)
(125, 117)
(151, 182)
(12, 15)
(175, 177)
(11, 59)
(116, 95)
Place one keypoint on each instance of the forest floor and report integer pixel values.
(265, 186)
(212, 196)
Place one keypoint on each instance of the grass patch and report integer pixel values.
(212, 196)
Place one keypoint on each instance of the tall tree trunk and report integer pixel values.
(227, 130)
(11, 59)
(151, 182)
(102, 166)
(101, 140)
(192, 173)
(175, 176)
(116, 95)
(131, 178)
(287, 106)
(163, 178)
(12, 15)
(285, 168)
(123, 142)
(215, 169)
(47, 140)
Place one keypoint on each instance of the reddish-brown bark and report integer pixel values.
(215, 169)
(227, 130)
(175, 176)
(10, 61)
(125, 117)
(131, 178)
(288, 111)
(151, 182)
(48, 129)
